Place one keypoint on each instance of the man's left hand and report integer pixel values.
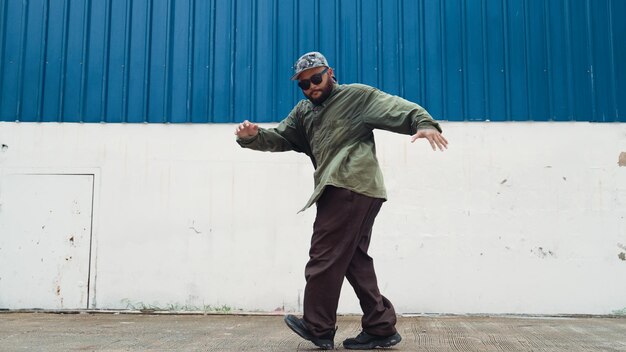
(435, 138)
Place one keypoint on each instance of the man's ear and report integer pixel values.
(332, 74)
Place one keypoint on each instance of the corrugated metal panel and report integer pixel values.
(226, 60)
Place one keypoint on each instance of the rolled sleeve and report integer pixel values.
(396, 114)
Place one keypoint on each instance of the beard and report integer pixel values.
(326, 90)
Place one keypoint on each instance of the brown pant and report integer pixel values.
(341, 237)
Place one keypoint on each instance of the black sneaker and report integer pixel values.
(366, 341)
(297, 325)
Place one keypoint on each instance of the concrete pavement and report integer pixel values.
(228, 332)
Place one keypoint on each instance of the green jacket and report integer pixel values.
(337, 136)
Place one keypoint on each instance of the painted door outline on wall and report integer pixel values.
(46, 235)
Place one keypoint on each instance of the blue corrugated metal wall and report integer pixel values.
(226, 60)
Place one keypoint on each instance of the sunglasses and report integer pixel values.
(316, 79)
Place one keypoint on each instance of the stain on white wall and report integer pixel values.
(513, 218)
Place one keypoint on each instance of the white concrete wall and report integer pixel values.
(513, 218)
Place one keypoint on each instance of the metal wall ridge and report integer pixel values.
(193, 61)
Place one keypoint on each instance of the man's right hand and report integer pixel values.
(247, 129)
